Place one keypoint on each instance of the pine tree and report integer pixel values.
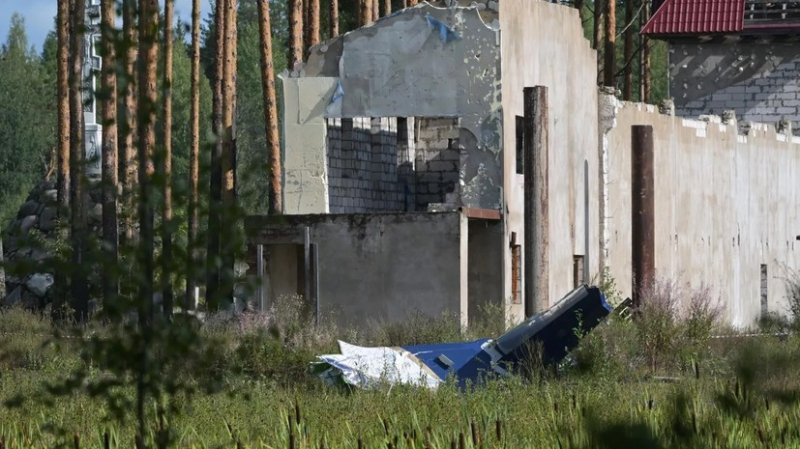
(365, 8)
(313, 23)
(146, 108)
(128, 127)
(295, 32)
(333, 17)
(228, 149)
(62, 30)
(79, 284)
(627, 86)
(270, 109)
(610, 44)
(194, 158)
(109, 110)
(215, 183)
(166, 164)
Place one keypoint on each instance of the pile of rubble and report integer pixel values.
(30, 238)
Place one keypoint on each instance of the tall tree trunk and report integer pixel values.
(627, 86)
(611, 41)
(194, 159)
(166, 222)
(295, 32)
(376, 12)
(127, 129)
(270, 110)
(62, 33)
(215, 191)
(646, 87)
(146, 136)
(333, 17)
(366, 12)
(228, 151)
(306, 24)
(597, 37)
(109, 88)
(79, 286)
(387, 7)
(146, 107)
(312, 27)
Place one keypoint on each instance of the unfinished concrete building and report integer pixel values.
(739, 55)
(403, 177)
(407, 160)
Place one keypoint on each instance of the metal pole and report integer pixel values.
(586, 219)
(260, 270)
(642, 211)
(307, 264)
(315, 258)
(536, 199)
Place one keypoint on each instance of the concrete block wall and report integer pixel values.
(363, 166)
(761, 82)
(437, 160)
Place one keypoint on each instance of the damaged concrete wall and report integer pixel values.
(725, 204)
(379, 266)
(543, 44)
(305, 189)
(423, 62)
(760, 81)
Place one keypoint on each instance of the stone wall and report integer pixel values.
(760, 81)
(437, 160)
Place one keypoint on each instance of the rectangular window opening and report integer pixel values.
(577, 270)
(520, 131)
(516, 270)
(764, 298)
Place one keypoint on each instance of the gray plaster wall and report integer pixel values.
(760, 81)
(725, 204)
(543, 44)
(381, 267)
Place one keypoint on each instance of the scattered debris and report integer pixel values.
(547, 337)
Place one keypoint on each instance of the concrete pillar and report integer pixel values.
(537, 208)
(463, 232)
(643, 242)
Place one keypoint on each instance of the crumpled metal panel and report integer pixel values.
(556, 330)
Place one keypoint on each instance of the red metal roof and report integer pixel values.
(691, 17)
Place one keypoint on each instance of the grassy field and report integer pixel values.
(659, 382)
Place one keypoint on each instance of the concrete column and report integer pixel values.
(537, 208)
(643, 242)
(463, 232)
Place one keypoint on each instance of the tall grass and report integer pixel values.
(657, 381)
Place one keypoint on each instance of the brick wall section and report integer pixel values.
(770, 95)
(437, 159)
(363, 166)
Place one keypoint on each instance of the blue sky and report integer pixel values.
(39, 16)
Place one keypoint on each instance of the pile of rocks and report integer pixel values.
(29, 239)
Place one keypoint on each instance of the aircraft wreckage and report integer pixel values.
(555, 331)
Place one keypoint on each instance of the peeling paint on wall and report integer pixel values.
(425, 61)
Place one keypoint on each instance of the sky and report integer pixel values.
(40, 16)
